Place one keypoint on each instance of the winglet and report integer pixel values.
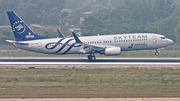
(76, 38)
(60, 34)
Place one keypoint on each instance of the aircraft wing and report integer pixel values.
(88, 48)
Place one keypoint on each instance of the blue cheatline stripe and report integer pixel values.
(73, 45)
(69, 48)
(54, 45)
(64, 45)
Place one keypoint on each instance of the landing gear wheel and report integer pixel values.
(91, 58)
(156, 53)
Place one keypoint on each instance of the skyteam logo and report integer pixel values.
(61, 45)
(19, 27)
(130, 46)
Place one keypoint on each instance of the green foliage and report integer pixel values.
(177, 32)
(76, 14)
(163, 8)
(6, 34)
(33, 11)
(47, 33)
(73, 18)
(73, 4)
(124, 16)
(141, 10)
(135, 16)
(165, 27)
(110, 21)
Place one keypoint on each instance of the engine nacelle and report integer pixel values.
(112, 51)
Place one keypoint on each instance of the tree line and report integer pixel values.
(113, 16)
(33, 11)
(136, 16)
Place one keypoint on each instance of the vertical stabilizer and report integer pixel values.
(21, 31)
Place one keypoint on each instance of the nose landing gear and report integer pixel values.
(91, 57)
(156, 53)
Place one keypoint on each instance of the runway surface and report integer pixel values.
(84, 61)
(95, 99)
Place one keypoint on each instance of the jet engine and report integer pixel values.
(112, 51)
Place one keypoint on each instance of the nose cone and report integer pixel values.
(170, 41)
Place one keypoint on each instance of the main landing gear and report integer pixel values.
(91, 57)
(156, 53)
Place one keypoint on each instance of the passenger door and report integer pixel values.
(39, 46)
(154, 39)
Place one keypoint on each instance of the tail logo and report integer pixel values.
(19, 27)
(29, 35)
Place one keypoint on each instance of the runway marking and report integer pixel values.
(136, 99)
(87, 63)
(100, 61)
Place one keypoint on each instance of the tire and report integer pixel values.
(93, 58)
(89, 57)
(156, 53)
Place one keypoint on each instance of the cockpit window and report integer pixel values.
(163, 37)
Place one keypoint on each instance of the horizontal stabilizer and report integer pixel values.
(17, 42)
(10, 41)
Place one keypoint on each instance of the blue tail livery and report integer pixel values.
(21, 31)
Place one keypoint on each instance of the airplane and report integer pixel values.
(108, 45)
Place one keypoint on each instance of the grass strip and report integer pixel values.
(89, 83)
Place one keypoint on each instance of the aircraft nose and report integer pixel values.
(170, 41)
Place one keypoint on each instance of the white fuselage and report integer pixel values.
(127, 42)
